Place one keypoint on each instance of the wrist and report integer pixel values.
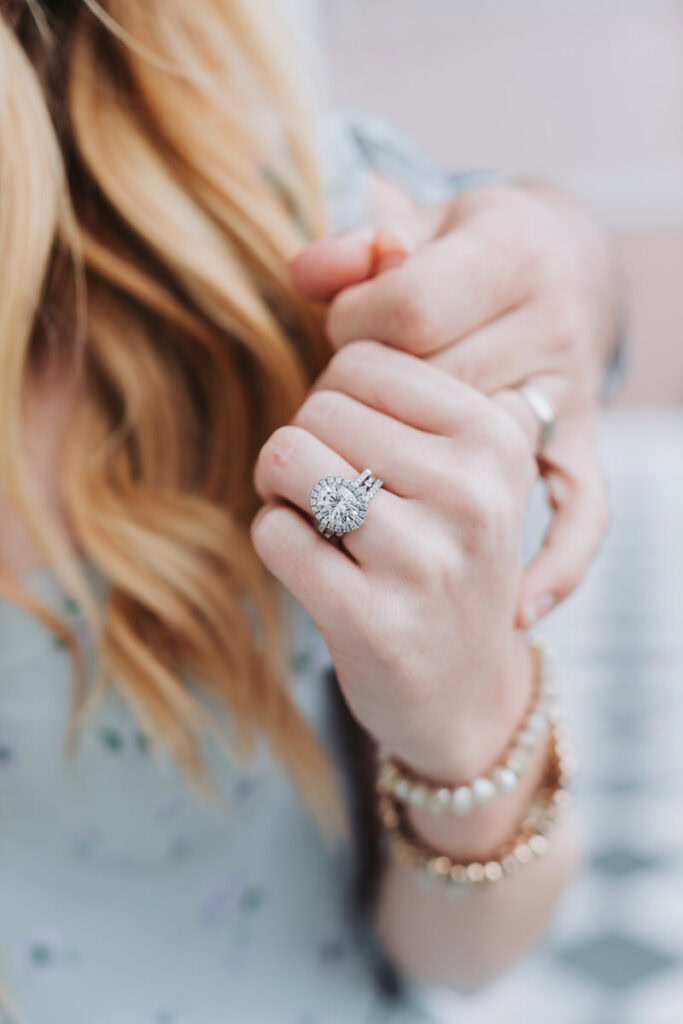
(479, 835)
(490, 850)
(481, 830)
(458, 846)
(463, 745)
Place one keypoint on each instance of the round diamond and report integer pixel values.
(339, 505)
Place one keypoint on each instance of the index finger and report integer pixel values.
(439, 294)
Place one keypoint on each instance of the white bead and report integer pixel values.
(387, 775)
(402, 789)
(536, 723)
(462, 801)
(518, 759)
(539, 845)
(483, 790)
(510, 864)
(527, 739)
(418, 796)
(440, 800)
(505, 779)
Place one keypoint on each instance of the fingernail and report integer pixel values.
(388, 250)
(538, 607)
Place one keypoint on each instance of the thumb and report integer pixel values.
(578, 526)
(327, 267)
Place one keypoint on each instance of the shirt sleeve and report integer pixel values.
(354, 145)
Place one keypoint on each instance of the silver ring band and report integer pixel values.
(543, 409)
(341, 505)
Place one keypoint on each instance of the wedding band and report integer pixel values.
(543, 409)
(341, 505)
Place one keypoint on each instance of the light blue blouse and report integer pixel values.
(127, 899)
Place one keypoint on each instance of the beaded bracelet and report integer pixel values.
(527, 845)
(462, 800)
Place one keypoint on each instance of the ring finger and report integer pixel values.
(294, 459)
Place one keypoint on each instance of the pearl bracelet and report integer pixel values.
(462, 800)
(527, 845)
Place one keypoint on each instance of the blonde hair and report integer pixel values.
(156, 174)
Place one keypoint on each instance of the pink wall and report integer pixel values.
(586, 92)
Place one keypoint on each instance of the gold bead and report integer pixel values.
(396, 788)
(401, 856)
(390, 817)
(387, 777)
(440, 866)
(562, 798)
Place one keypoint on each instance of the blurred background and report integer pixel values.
(587, 93)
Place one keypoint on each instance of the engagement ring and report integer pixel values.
(340, 505)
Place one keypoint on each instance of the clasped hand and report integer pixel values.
(421, 607)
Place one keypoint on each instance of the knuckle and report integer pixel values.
(279, 451)
(566, 327)
(512, 447)
(321, 408)
(485, 515)
(415, 325)
(337, 317)
(501, 443)
(268, 530)
(355, 356)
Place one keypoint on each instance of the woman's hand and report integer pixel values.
(417, 607)
(502, 285)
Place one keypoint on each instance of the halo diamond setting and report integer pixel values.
(341, 505)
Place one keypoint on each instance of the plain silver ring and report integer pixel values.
(544, 411)
(341, 505)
